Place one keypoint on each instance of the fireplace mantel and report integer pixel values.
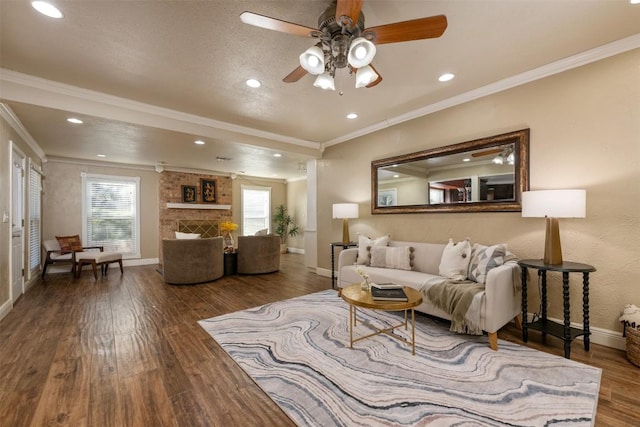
(197, 206)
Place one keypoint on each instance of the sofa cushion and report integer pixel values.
(484, 258)
(387, 257)
(455, 260)
(69, 244)
(262, 232)
(426, 256)
(364, 243)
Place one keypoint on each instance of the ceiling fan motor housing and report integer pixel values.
(336, 38)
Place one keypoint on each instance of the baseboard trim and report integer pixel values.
(125, 262)
(295, 250)
(5, 309)
(323, 272)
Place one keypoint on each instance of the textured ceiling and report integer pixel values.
(150, 77)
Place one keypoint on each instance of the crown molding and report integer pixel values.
(593, 55)
(99, 98)
(9, 116)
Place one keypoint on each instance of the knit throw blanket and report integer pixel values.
(457, 299)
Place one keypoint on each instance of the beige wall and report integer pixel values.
(585, 133)
(297, 208)
(7, 137)
(62, 201)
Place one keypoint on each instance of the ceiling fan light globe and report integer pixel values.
(312, 60)
(361, 52)
(325, 81)
(498, 160)
(365, 76)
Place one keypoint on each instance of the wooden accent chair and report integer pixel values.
(54, 255)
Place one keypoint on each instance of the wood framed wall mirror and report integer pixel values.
(483, 175)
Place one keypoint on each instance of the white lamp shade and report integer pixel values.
(361, 52)
(312, 60)
(554, 203)
(325, 81)
(345, 210)
(365, 76)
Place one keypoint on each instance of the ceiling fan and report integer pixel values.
(344, 42)
(505, 154)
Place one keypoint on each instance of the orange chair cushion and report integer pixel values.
(69, 244)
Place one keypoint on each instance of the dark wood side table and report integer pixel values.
(565, 331)
(230, 263)
(333, 262)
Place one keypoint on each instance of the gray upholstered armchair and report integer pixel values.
(191, 261)
(258, 254)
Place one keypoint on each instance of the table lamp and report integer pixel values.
(554, 204)
(345, 211)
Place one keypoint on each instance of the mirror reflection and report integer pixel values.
(482, 175)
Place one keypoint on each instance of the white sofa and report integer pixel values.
(499, 302)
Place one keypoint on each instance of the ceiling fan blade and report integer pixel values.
(295, 75)
(487, 152)
(277, 25)
(350, 8)
(376, 81)
(415, 29)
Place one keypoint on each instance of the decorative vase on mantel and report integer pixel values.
(227, 241)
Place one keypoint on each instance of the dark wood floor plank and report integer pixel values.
(127, 351)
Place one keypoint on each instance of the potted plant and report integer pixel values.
(285, 226)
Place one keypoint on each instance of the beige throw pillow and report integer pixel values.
(364, 242)
(398, 257)
(186, 236)
(455, 260)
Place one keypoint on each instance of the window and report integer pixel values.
(110, 213)
(256, 209)
(35, 224)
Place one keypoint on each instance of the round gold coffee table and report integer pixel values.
(356, 297)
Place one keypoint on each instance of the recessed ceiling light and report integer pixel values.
(352, 116)
(199, 142)
(446, 77)
(277, 155)
(253, 83)
(100, 155)
(47, 9)
(396, 176)
(466, 159)
(74, 120)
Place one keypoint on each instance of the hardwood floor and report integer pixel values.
(127, 351)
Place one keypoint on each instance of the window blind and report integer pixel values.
(256, 209)
(35, 223)
(111, 213)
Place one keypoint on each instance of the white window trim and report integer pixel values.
(136, 179)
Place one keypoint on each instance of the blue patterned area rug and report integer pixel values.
(298, 352)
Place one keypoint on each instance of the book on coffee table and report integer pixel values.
(386, 286)
(395, 294)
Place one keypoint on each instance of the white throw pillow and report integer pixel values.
(262, 232)
(364, 243)
(485, 258)
(398, 257)
(455, 260)
(186, 236)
